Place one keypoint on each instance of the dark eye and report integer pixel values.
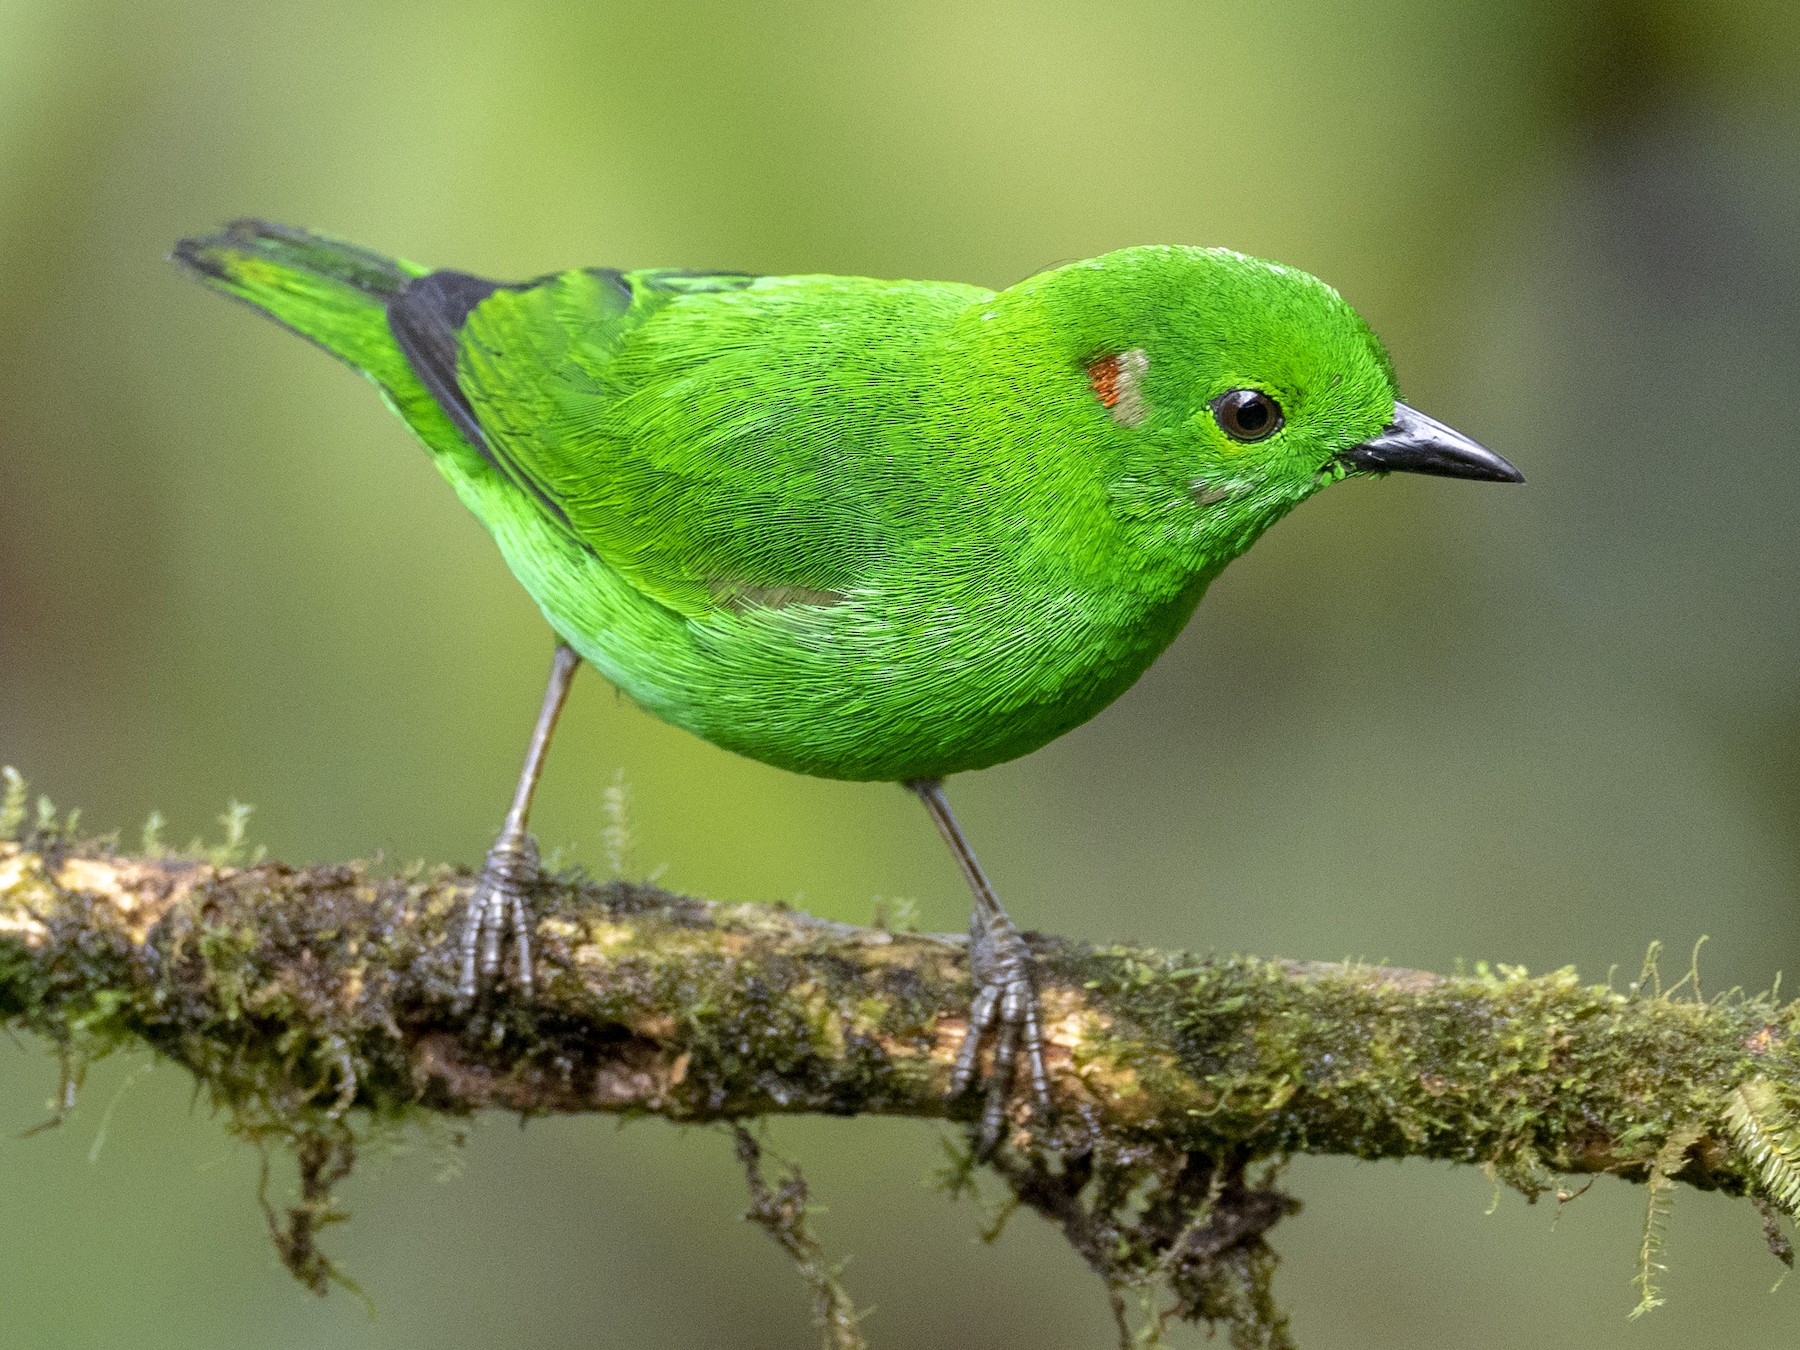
(1247, 414)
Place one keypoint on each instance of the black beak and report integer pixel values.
(1415, 443)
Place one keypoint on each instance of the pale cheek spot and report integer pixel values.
(1118, 382)
(1207, 495)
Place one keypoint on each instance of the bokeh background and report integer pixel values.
(1422, 721)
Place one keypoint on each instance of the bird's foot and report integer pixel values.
(498, 902)
(1006, 1004)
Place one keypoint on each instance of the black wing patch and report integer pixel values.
(426, 318)
(427, 315)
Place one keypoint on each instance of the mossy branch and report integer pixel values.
(303, 997)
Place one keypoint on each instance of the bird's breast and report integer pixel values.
(925, 680)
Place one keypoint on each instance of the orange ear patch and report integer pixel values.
(1118, 382)
(1104, 376)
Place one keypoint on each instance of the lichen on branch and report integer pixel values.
(305, 1000)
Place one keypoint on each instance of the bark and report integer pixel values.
(306, 1000)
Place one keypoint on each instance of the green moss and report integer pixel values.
(13, 793)
(317, 1009)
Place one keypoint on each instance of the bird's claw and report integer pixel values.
(1006, 1004)
(497, 903)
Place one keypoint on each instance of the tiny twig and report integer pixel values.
(781, 1213)
(307, 1000)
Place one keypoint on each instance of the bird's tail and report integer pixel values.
(333, 293)
(336, 295)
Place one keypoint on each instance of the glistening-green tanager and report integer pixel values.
(861, 529)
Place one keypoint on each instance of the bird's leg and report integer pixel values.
(498, 900)
(1006, 1002)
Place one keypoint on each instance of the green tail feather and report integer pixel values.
(335, 295)
(332, 293)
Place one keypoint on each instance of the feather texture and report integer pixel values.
(857, 528)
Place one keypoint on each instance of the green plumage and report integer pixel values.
(855, 528)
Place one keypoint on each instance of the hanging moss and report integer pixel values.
(315, 1004)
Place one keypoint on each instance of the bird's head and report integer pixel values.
(1236, 388)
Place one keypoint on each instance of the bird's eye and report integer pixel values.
(1247, 414)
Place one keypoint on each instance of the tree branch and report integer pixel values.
(300, 995)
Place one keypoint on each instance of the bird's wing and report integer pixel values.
(705, 434)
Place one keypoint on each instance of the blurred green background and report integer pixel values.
(1423, 720)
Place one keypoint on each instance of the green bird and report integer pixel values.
(870, 530)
